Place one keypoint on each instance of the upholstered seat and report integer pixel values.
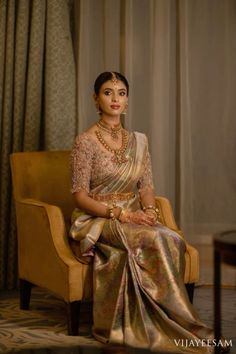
(41, 185)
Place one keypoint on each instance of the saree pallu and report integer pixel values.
(139, 296)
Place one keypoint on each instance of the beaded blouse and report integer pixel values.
(90, 165)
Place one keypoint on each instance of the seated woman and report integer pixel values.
(139, 296)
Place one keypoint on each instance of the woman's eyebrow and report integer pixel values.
(111, 89)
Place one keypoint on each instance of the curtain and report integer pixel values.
(37, 97)
(178, 56)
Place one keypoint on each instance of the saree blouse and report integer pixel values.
(91, 165)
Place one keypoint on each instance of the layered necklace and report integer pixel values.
(113, 131)
(119, 154)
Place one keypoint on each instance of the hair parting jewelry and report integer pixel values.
(114, 80)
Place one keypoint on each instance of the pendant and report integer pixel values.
(114, 134)
(119, 158)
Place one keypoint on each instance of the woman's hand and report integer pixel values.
(137, 217)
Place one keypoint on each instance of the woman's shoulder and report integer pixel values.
(85, 143)
(87, 136)
(140, 136)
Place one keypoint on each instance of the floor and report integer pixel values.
(228, 276)
(42, 330)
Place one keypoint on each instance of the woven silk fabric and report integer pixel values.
(139, 296)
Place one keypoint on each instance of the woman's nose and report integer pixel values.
(114, 98)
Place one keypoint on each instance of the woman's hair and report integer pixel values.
(106, 76)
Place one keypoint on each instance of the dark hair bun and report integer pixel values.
(106, 76)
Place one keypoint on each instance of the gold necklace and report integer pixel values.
(119, 154)
(113, 131)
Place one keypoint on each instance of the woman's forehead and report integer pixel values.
(113, 85)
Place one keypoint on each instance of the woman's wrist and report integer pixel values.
(152, 210)
(113, 212)
(151, 213)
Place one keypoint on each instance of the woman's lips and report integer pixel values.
(114, 106)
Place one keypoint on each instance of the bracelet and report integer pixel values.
(111, 213)
(151, 211)
(152, 207)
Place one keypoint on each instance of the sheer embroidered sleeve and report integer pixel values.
(146, 180)
(81, 163)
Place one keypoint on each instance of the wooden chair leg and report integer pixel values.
(73, 311)
(25, 294)
(190, 290)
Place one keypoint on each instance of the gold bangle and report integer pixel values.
(149, 207)
(152, 207)
(152, 212)
(111, 213)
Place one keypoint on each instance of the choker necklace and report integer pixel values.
(113, 131)
(119, 154)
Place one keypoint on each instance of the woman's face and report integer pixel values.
(112, 98)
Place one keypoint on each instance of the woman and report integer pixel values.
(139, 294)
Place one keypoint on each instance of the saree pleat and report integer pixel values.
(139, 296)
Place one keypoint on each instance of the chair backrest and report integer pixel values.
(45, 176)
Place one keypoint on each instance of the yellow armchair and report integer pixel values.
(41, 187)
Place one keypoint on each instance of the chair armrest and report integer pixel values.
(166, 214)
(43, 220)
(191, 254)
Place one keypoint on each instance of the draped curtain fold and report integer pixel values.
(37, 97)
(178, 56)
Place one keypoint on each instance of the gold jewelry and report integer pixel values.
(98, 110)
(125, 111)
(111, 212)
(114, 197)
(114, 80)
(151, 212)
(119, 154)
(154, 208)
(113, 131)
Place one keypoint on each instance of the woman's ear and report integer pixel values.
(96, 101)
(95, 97)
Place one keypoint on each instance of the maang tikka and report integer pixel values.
(114, 80)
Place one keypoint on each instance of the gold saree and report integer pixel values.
(139, 297)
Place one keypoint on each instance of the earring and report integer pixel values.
(98, 110)
(125, 110)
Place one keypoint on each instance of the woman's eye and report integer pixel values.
(122, 93)
(107, 93)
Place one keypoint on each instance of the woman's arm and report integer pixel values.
(81, 163)
(147, 197)
(93, 207)
(146, 189)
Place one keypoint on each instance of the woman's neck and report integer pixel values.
(111, 121)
